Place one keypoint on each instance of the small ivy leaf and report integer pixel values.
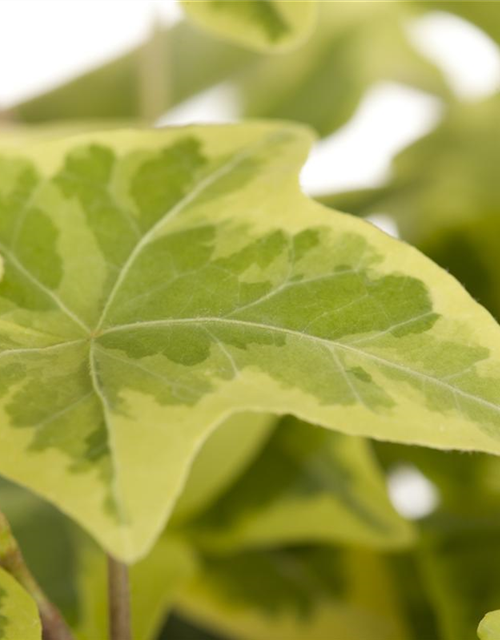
(156, 282)
(18, 611)
(489, 627)
(265, 25)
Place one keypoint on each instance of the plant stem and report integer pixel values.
(119, 600)
(11, 560)
(154, 73)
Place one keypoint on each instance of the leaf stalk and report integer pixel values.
(119, 600)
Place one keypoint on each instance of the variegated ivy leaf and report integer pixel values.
(308, 485)
(489, 627)
(156, 282)
(18, 612)
(259, 24)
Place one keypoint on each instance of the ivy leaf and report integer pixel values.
(266, 25)
(296, 593)
(489, 627)
(307, 485)
(156, 282)
(18, 611)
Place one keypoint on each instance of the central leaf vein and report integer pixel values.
(349, 348)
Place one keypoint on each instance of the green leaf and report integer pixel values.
(236, 441)
(308, 485)
(18, 612)
(156, 282)
(489, 627)
(266, 25)
(292, 594)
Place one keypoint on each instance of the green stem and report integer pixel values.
(154, 73)
(119, 600)
(11, 560)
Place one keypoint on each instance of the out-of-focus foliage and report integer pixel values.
(307, 485)
(296, 593)
(227, 452)
(320, 83)
(154, 583)
(192, 62)
(268, 25)
(459, 551)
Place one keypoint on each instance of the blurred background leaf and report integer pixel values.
(307, 485)
(293, 593)
(267, 25)
(320, 84)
